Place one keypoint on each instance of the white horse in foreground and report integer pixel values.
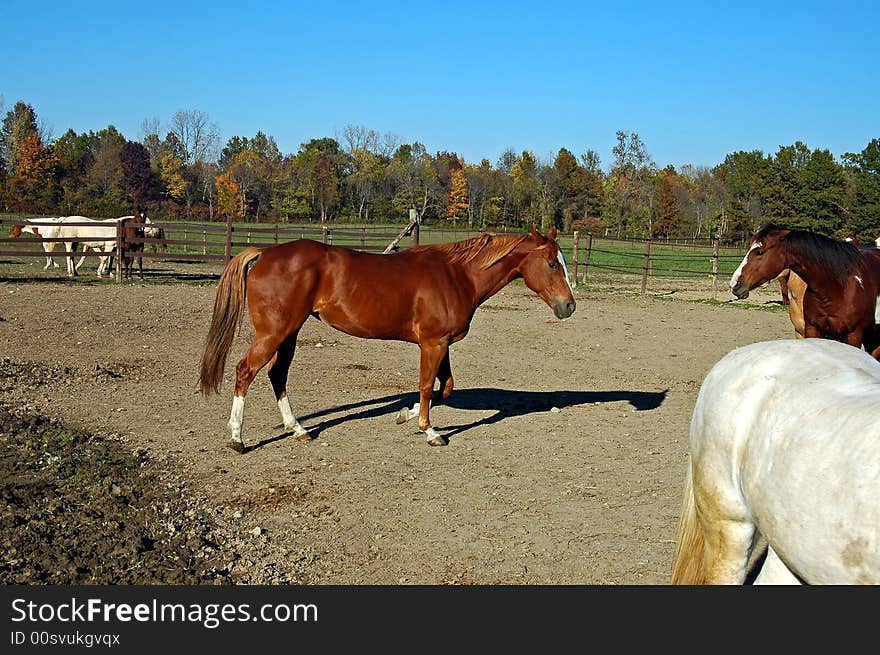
(785, 444)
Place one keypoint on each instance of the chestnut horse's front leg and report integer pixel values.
(433, 354)
(444, 377)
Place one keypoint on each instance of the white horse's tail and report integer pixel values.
(689, 562)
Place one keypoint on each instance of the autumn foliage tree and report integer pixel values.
(31, 184)
(666, 213)
(457, 198)
(230, 199)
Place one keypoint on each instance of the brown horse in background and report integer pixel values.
(425, 295)
(133, 244)
(792, 287)
(842, 280)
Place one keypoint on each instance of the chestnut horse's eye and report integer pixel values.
(554, 265)
(759, 253)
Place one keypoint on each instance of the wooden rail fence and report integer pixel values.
(191, 242)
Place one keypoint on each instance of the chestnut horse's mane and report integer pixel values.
(839, 258)
(485, 248)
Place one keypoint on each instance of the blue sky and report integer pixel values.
(695, 80)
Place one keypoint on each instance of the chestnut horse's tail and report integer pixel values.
(228, 309)
(689, 563)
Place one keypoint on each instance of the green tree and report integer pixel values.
(746, 176)
(415, 179)
(627, 188)
(318, 161)
(863, 170)
(526, 188)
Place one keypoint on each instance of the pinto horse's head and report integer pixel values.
(765, 259)
(16, 230)
(544, 272)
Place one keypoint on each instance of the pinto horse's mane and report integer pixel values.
(839, 258)
(486, 248)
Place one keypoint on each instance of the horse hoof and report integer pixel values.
(305, 437)
(437, 441)
(403, 416)
(237, 446)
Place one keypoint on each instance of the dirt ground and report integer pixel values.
(565, 463)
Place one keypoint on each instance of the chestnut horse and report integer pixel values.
(784, 450)
(425, 295)
(840, 301)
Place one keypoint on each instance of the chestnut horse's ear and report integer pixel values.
(552, 233)
(533, 231)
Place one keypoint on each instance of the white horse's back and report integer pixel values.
(785, 441)
(99, 235)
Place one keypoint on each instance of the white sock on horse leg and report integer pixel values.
(235, 418)
(289, 420)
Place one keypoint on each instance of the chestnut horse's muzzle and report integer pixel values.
(564, 309)
(740, 290)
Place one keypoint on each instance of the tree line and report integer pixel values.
(182, 172)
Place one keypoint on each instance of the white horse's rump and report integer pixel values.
(784, 442)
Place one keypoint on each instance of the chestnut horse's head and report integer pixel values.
(765, 259)
(544, 272)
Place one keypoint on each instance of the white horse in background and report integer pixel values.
(89, 233)
(42, 228)
(105, 248)
(784, 450)
(99, 236)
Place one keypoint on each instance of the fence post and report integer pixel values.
(323, 234)
(574, 260)
(715, 247)
(363, 238)
(204, 242)
(184, 240)
(276, 234)
(647, 263)
(227, 250)
(587, 256)
(119, 246)
(415, 234)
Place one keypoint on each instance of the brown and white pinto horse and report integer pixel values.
(792, 287)
(840, 300)
(425, 295)
(42, 228)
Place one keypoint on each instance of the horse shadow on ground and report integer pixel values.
(87, 279)
(507, 404)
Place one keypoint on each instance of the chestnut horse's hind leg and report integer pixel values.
(444, 376)
(260, 352)
(278, 377)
